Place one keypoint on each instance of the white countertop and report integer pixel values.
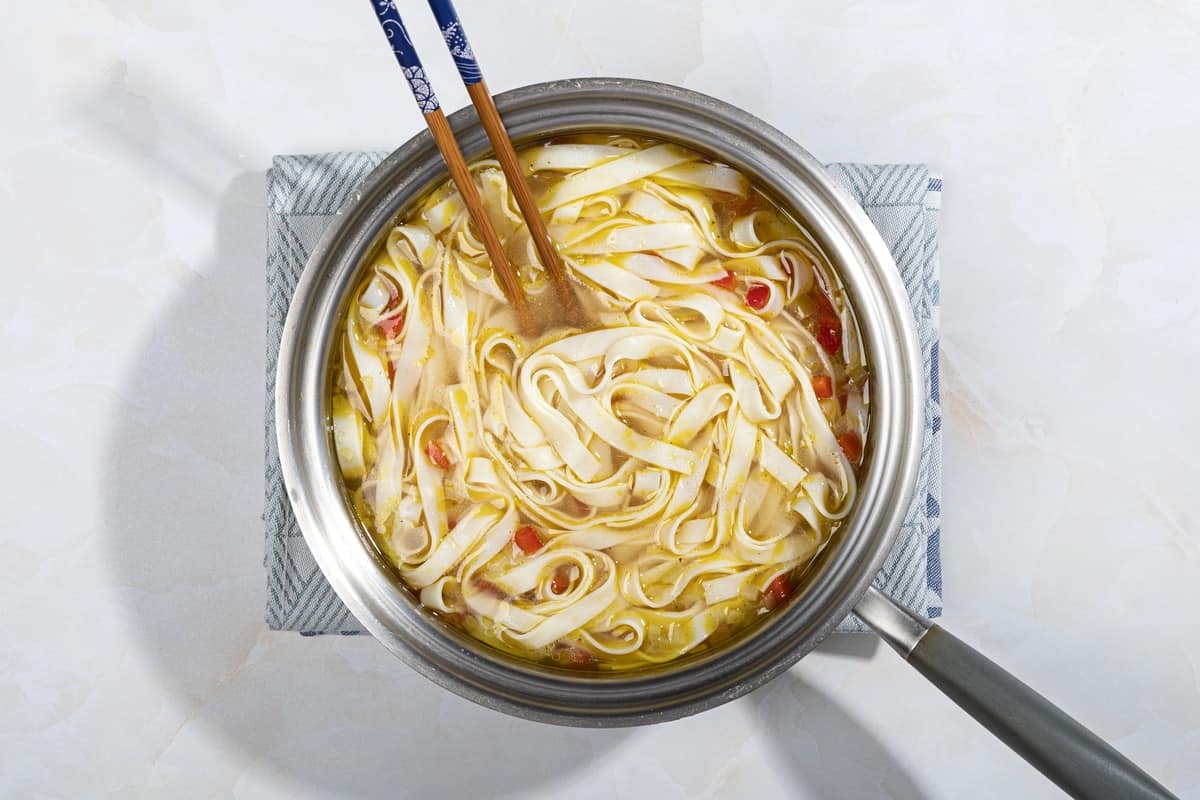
(135, 659)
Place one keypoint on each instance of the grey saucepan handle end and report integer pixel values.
(1079, 761)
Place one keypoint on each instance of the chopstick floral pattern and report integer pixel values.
(460, 51)
(421, 89)
(406, 55)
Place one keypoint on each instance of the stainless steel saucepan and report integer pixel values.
(838, 583)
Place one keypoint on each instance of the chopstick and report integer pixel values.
(472, 76)
(443, 137)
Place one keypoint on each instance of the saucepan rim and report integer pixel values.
(844, 570)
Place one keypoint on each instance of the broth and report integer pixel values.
(619, 492)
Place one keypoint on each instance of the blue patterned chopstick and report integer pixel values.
(406, 54)
(456, 41)
(460, 172)
(489, 116)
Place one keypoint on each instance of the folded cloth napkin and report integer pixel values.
(303, 194)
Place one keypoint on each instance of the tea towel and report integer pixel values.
(304, 193)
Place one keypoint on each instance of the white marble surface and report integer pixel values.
(135, 660)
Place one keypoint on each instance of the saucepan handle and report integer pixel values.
(1079, 761)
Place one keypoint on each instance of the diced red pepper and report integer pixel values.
(736, 206)
(391, 326)
(829, 334)
(561, 580)
(824, 305)
(785, 261)
(487, 587)
(528, 540)
(757, 296)
(437, 455)
(580, 657)
(822, 386)
(727, 282)
(777, 591)
(851, 445)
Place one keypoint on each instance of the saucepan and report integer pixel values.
(838, 583)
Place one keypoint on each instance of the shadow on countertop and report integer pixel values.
(183, 522)
(826, 751)
(334, 715)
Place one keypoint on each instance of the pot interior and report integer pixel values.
(371, 587)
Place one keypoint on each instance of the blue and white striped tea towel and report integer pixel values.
(304, 193)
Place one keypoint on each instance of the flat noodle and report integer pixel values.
(673, 463)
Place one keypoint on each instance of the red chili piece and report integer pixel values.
(487, 587)
(560, 582)
(528, 540)
(777, 591)
(822, 386)
(829, 334)
(824, 306)
(580, 657)
(727, 282)
(785, 261)
(391, 326)
(757, 296)
(437, 455)
(852, 446)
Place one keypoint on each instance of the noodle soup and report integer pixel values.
(631, 485)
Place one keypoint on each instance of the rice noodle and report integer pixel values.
(675, 459)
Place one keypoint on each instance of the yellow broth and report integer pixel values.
(628, 487)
